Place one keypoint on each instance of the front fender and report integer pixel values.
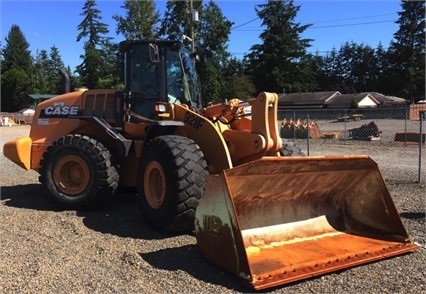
(207, 136)
(162, 127)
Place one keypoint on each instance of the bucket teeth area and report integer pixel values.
(293, 218)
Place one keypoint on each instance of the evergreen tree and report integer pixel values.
(312, 70)
(111, 71)
(406, 53)
(329, 74)
(47, 78)
(212, 47)
(237, 84)
(140, 20)
(42, 67)
(177, 20)
(210, 38)
(233, 67)
(364, 68)
(16, 71)
(57, 64)
(357, 65)
(354, 68)
(1, 53)
(93, 30)
(378, 81)
(278, 62)
(16, 53)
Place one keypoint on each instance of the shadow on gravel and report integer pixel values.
(188, 258)
(413, 215)
(28, 196)
(122, 217)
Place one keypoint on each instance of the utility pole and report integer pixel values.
(192, 28)
(193, 18)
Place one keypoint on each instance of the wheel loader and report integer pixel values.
(218, 170)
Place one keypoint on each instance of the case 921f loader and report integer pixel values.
(267, 218)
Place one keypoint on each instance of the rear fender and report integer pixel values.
(54, 118)
(68, 113)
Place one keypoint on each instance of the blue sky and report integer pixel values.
(46, 23)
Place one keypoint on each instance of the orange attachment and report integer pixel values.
(282, 219)
(19, 152)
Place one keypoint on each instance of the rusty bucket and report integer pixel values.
(278, 220)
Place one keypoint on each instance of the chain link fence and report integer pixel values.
(387, 135)
(393, 137)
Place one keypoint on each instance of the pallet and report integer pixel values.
(331, 135)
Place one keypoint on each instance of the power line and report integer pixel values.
(323, 21)
(243, 24)
(330, 26)
(352, 18)
(235, 28)
(329, 51)
(351, 24)
(322, 52)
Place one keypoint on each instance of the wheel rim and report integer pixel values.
(154, 185)
(71, 175)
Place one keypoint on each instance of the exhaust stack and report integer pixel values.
(65, 81)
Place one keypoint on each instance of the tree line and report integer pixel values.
(280, 63)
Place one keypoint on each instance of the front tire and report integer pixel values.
(77, 172)
(171, 179)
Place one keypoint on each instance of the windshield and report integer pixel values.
(144, 73)
(182, 80)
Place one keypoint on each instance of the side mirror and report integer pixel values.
(153, 53)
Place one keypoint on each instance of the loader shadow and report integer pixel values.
(29, 196)
(122, 217)
(413, 215)
(188, 258)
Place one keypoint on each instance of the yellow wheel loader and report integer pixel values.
(219, 170)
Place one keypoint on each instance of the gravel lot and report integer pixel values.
(113, 251)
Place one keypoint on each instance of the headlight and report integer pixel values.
(160, 108)
(163, 110)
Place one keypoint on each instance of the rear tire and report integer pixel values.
(171, 179)
(77, 172)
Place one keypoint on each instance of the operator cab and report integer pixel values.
(158, 71)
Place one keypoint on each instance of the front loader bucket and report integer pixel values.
(283, 219)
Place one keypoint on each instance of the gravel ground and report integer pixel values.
(113, 251)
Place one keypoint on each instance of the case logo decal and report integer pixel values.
(59, 109)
